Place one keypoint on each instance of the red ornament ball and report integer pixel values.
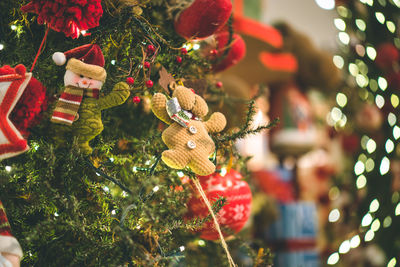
(28, 111)
(184, 51)
(146, 64)
(386, 55)
(149, 83)
(136, 99)
(203, 18)
(130, 80)
(219, 84)
(178, 59)
(70, 17)
(150, 49)
(234, 214)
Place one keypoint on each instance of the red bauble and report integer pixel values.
(178, 59)
(234, 214)
(70, 17)
(28, 110)
(237, 51)
(219, 84)
(130, 80)
(386, 55)
(149, 83)
(203, 18)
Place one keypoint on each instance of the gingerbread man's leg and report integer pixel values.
(175, 158)
(202, 165)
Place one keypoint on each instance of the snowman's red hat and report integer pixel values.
(87, 60)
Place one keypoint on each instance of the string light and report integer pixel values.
(374, 206)
(340, 24)
(355, 241)
(382, 83)
(1, 47)
(371, 52)
(376, 224)
(369, 236)
(361, 24)
(333, 258)
(366, 220)
(8, 168)
(338, 61)
(385, 165)
(392, 263)
(361, 182)
(396, 132)
(394, 99)
(387, 222)
(334, 215)
(344, 247)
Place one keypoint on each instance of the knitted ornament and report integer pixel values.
(27, 112)
(68, 16)
(187, 136)
(8, 243)
(13, 82)
(237, 51)
(234, 214)
(202, 18)
(386, 55)
(79, 106)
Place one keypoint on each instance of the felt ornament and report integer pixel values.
(187, 136)
(203, 18)
(71, 17)
(237, 51)
(13, 82)
(233, 215)
(79, 107)
(10, 250)
(28, 110)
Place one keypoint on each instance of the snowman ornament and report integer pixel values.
(78, 109)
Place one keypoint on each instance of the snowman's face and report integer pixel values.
(74, 79)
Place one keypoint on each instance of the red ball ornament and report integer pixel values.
(28, 111)
(149, 83)
(70, 17)
(234, 214)
(203, 18)
(237, 50)
(178, 59)
(386, 55)
(150, 49)
(146, 64)
(130, 80)
(184, 51)
(136, 99)
(219, 84)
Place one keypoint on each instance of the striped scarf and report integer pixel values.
(69, 102)
(5, 229)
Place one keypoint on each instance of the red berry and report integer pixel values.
(219, 84)
(184, 51)
(178, 59)
(130, 80)
(214, 52)
(146, 64)
(151, 49)
(149, 83)
(191, 89)
(136, 99)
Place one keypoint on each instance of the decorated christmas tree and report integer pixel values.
(109, 154)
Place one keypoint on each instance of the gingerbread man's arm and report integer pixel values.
(118, 96)
(159, 107)
(215, 123)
